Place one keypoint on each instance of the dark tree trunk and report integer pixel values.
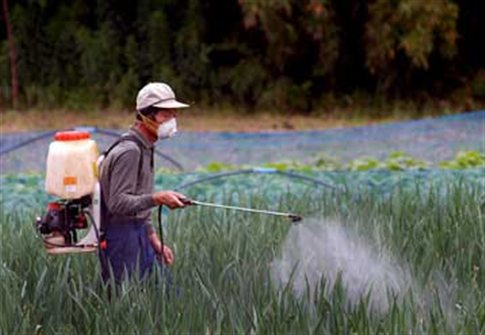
(12, 53)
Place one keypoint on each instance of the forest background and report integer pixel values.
(288, 56)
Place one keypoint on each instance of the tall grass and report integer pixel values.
(220, 281)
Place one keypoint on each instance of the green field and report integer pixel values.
(420, 240)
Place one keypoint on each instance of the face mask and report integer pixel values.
(167, 129)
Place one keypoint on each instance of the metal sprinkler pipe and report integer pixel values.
(293, 217)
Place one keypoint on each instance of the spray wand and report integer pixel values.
(293, 217)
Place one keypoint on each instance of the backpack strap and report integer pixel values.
(126, 138)
(122, 138)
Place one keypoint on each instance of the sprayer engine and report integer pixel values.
(62, 219)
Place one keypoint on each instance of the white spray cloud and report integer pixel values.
(318, 248)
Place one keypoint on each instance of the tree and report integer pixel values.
(402, 35)
(12, 55)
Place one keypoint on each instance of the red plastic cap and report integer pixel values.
(53, 206)
(72, 135)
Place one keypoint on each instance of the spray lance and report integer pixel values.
(293, 217)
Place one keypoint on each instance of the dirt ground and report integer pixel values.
(188, 120)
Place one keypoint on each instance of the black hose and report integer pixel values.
(96, 231)
(160, 229)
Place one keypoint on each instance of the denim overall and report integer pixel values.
(128, 251)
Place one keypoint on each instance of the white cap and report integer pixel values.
(157, 95)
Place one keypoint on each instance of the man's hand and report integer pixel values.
(171, 199)
(166, 256)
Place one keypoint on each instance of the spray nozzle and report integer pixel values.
(296, 219)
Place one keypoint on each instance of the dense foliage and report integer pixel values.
(286, 55)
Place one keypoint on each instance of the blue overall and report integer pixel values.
(128, 250)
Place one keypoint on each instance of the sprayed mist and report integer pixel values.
(322, 248)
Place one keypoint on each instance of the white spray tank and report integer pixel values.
(71, 165)
(71, 175)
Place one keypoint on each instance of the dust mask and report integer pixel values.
(167, 129)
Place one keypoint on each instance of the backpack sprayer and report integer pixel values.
(72, 176)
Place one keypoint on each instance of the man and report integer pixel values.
(127, 183)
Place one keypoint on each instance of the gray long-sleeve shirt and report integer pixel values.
(127, 193)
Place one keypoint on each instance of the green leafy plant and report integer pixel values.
(217, 167)
(401, 161)
(326, 162)
(396, 161)
(364, 164)
(465, 160)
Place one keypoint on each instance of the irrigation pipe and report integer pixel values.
(115, 134)
(256, 171)
(92, 130)
(24, 143)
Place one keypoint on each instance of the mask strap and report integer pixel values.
(149, 123)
